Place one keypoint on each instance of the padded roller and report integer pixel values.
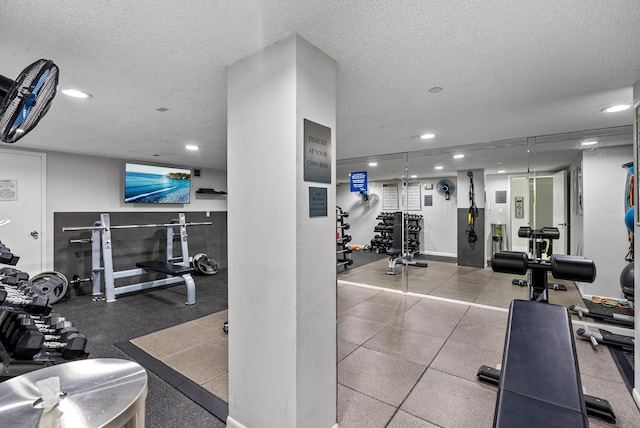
(510, 262)
(550, 233)
(524, 232)
(573, 268)
(544, 233)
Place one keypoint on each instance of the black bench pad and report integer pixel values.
(540, 375)
(164, 267)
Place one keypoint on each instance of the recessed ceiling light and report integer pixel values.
(502, 171)
(414, 176)
(616, 108)
(373, 163)
(588, 143)
(427, 136)
(458, 156)
(439, 167)
(435, 90)
(75, 93)
(191, 147)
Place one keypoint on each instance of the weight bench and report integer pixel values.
(540, 379)
(172, 270)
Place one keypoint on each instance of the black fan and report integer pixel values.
(25, 100)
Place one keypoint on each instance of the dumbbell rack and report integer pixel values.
(384, 232)
(31, 336)
(343, 251)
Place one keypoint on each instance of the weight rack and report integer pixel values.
(343, 252)
(383, 239)
(25, 307)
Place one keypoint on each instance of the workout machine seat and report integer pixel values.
(164, 267)
(539, 379)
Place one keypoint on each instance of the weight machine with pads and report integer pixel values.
(177, 269)
(537, 247)
(537, 333)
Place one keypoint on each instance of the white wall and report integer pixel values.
(77, 183)
(497, 213)
(605, 234)
(439, 234)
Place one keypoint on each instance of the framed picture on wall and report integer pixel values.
(389, 196)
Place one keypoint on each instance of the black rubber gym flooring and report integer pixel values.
(138, 314)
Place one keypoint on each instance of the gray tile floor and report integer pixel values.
(467, 284)
(408, 360)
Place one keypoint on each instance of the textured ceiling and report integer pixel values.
(509, 70)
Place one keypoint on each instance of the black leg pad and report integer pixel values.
(510, 262)
(574, 268)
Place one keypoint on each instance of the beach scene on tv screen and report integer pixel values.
(157, 184)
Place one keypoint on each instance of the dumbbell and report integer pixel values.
(8, 258)
(76, 281)
(16, 274)
(46, 325)
(35, 304)
(22, 324)
(69, 343)
(8, 270)
(345, 226)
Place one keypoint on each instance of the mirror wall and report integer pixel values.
(574, 181)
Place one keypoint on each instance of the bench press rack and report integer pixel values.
(177, 269)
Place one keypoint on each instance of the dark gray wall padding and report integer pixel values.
(471, 253)
(135, 245)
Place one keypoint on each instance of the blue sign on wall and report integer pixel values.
(358, 181)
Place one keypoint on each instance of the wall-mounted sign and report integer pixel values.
(317, 152)
(358, 181)
(389, 196)
(501, 196)
(414, 192)
(8, 190)
(318, 203)
(428, 200)
(519, 206)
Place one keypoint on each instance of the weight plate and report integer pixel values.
(53, 285)
(205, 264)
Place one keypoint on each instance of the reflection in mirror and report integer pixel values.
(574, 182)
(372, 219)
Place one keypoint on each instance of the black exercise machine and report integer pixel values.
(540, 243)
(539, 378)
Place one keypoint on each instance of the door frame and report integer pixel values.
(44, 236)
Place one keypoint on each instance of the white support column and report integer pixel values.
(282, 262)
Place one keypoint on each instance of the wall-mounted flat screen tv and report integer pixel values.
(156, 184)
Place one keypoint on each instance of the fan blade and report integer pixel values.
(27, 100)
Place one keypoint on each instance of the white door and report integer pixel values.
(22, 201)
(560, 212)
